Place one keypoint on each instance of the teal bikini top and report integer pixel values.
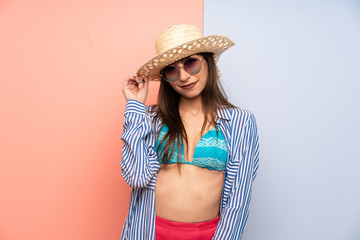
(210, 152)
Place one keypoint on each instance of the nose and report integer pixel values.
(184, 75)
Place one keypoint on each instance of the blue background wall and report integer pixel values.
(296, 66)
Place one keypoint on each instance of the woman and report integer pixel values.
(206, 195)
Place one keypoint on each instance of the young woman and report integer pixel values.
(191, 159)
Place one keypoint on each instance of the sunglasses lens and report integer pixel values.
(171, 73)
(192, 65)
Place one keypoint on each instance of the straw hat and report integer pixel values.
(180, 41)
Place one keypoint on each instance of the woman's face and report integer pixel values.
(191, 85)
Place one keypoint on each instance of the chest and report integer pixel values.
(195, 138)
(195, 133)
(210, 151)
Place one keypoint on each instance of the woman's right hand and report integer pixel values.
(136, 88)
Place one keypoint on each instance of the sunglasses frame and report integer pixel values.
(179, 68)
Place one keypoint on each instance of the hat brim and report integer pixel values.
(216, 44)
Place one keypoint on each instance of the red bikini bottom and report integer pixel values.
(171, 230)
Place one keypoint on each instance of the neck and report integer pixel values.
(193, 106)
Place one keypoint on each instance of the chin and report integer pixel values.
(190, 96)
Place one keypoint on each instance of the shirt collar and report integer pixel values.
(222, 113)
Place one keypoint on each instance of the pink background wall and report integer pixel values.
(62, 65)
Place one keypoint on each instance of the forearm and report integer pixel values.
(139, 161)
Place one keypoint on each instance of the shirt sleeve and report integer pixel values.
(234, 215)
(139, 163)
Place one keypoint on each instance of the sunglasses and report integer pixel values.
(191, 65)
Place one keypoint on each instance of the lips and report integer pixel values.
(188, 86)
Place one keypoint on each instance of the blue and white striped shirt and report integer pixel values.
(140, 166)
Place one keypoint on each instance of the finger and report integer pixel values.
(141, 83)
(132, 79)
(131, 84)
(140, 79)
(128, 80)
(146, 81)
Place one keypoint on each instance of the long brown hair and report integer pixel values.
(213, 97)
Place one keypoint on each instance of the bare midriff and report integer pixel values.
(192, 196)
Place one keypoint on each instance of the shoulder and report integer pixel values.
(240, 122)
(246, 115)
